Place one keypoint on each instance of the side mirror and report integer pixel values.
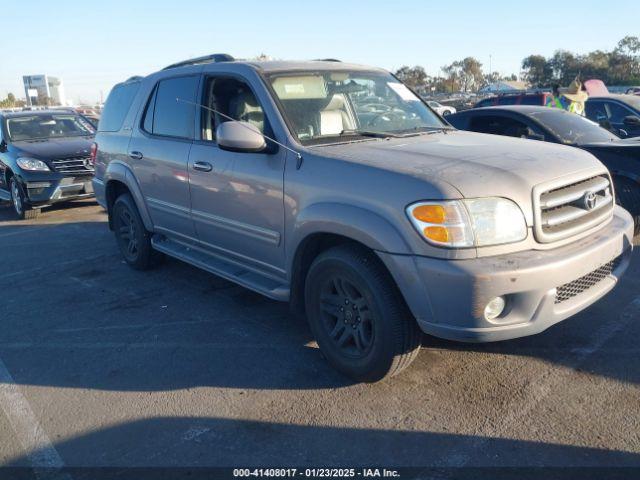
(239, 137)
(3, 146)
(632, 121)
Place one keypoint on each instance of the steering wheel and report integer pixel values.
(388, 117)
(375, 108)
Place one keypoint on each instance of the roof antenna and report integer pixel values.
(296, 153)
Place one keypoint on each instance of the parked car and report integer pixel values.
(440, 109)
(621, 157)
(618, 113)
(633, 91)
(374, 224)
(521, 98)
(45, 158)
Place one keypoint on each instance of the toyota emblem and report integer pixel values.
(590, 200)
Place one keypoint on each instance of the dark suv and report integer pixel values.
(45, 158)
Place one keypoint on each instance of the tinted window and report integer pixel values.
(117, 106)
(596, 111)
(572, 128)
(497, 125)
(617, 112)
(171, 117)
(532, 100)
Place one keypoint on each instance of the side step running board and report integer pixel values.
(4, 195)
(230, 271)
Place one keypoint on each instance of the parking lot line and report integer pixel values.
(38, 448)
(49, 265)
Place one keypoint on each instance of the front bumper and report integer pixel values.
(45, 190)
(448, 297)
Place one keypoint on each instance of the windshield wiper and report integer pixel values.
(369, 133)
(433, 129)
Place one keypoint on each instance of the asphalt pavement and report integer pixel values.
(101, 365)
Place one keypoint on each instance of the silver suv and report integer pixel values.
(336, 188)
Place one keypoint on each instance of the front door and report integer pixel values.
(237, 198)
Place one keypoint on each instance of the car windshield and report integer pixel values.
(39, 127)
(572, 129)
(324, 106)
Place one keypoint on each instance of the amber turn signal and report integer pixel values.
(430, 213)
(437, 234)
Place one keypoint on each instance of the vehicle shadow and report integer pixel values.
(175, 442)
(7, 214)
(89, 321)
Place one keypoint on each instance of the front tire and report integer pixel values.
(19, 202)
(628, 196)
(132, 237)
(357, 315)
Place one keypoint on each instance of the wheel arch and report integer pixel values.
(119, 179)
(323, 226)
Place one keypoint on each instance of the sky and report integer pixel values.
(93, 45)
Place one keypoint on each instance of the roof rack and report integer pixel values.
(214, 58)
(327, 60)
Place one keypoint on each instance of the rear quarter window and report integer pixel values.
(117, 107)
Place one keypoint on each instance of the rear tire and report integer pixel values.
(357, 315)
(133, 239)
(19, 202)
(628, 196)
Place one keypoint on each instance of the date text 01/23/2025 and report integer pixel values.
(316, 472)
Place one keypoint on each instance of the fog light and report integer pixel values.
(494, 308)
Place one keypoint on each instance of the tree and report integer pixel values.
(466, 73)
(414, 77)
(10, 102)
(537, 70)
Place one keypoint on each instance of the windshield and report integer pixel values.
(571, 128)
(323, 106)
(39, 127)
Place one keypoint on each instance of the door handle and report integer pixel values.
(202, 166)
(136, 155)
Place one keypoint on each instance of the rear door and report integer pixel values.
(159, 154)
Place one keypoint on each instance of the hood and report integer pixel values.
(55, 148)
(475, 164)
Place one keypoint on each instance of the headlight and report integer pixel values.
(27, 163)
(475, 222)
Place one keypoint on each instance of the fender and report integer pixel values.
(121, 172)
(359, 224)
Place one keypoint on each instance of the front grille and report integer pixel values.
(570, 209)
(582, 284)
(73, 165)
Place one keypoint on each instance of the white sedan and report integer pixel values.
(443, 110)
